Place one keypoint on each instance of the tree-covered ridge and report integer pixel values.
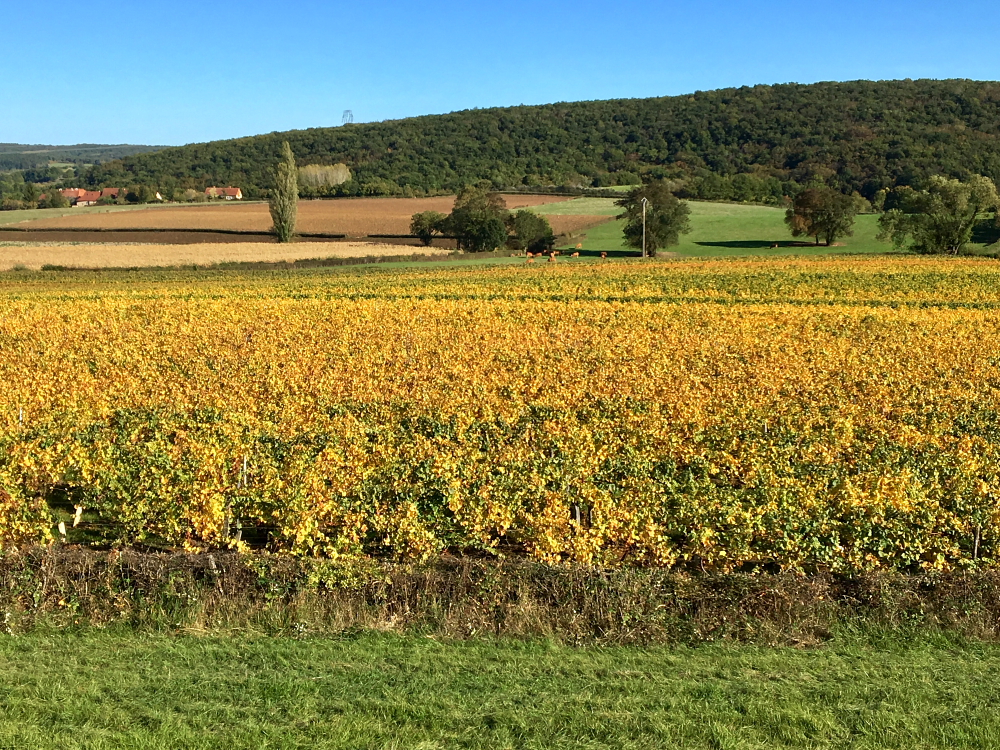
(32, 157)
(856, 136)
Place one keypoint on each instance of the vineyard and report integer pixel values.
(833, 414)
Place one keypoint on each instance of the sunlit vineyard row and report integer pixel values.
(789, 414)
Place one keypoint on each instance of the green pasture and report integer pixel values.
(719, 229)
(101, 690)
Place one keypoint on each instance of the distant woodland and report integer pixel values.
(34, 158)
(756, 143)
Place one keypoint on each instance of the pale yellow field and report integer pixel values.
(132, 256)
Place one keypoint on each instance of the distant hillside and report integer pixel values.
(23, 156)
(861, 135)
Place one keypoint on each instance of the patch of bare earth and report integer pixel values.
(575, 224)
(141, 256)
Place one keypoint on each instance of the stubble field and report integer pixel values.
(119, 255)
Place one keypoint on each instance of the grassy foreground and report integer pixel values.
(102, 690)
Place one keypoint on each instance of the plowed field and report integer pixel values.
(357, 217)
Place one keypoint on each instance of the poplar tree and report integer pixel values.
(284, 202)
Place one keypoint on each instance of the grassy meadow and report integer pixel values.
(717, 230)
(102, 690)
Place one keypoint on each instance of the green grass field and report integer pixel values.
(720, 229)
(98, 690)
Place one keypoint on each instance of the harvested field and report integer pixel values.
(173, 237)
(357, 217)
(132, 255)
(571, 224)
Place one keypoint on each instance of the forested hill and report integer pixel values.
(24, 156)
(860, 135)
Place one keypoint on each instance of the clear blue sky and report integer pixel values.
(180, 72)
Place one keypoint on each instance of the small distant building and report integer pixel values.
(88, 198)
(80, 197)
(226, 193)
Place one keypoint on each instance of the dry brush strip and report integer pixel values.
(462, 598)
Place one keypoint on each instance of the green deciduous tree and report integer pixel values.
(822, 213)
(31, 194)
(488, 234)
(666, 217)
(941, 218)
(478, 220)
(426, 224)
(55, 199)
(531, 232)
(284, 200)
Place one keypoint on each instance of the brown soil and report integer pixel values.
(355, 217)
(574, 224)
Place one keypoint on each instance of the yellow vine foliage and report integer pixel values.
(836, 414)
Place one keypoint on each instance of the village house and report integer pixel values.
(226, 193)
(80, 197)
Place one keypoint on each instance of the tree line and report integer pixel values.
(480, 222)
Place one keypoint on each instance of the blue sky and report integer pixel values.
(182, 72)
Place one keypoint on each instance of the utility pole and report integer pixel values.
(644, 204)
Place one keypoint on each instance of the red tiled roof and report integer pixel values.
(226, 191)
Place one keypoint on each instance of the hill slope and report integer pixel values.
(35, 157)
(860, 135)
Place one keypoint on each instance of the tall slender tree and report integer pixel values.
(284, 202)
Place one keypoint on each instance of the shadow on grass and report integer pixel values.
(755, 244)
(986, 232)
(597, 253)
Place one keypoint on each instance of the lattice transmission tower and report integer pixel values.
(348, 117)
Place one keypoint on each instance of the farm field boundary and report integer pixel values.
(462, 598)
